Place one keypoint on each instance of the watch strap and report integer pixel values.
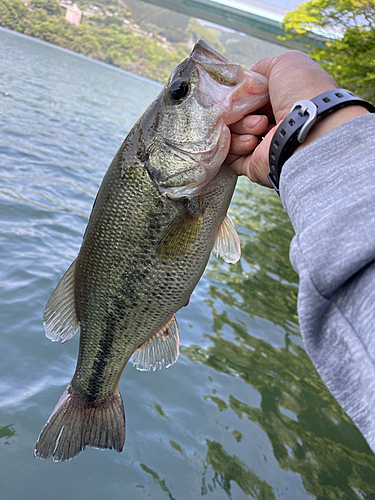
(293, 129)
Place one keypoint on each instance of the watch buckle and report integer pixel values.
(309, 108)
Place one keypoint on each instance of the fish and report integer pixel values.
(159, 212)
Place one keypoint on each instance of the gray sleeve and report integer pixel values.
(328, 191)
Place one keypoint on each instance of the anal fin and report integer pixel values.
(59, 318)
(162, 346)
(227, 242)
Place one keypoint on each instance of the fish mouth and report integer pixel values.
(237, 90)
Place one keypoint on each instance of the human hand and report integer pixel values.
(292, 76)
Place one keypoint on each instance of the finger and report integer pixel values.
(256, 164)
(236, 163)
(230, 159)
(250, 125)
(242, 144)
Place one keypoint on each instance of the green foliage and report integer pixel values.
(164, 23)
(350, 59)
(134, 35)
(52, 7)
(330, 13)
(195, 30)
(12, 13)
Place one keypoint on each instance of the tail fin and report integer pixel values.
(75, 424)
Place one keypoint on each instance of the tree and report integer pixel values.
(11, 13)
(52, 7)
(350, 55)
(195, 30)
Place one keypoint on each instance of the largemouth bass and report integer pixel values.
(160, 210)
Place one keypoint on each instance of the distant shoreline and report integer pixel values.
(113, 67)
(113, 34)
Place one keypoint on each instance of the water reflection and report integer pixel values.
(309, 433)
(159, 410)
(229, 468)
(157, 480)
(263, 282)
(6, 432)
(176, 447)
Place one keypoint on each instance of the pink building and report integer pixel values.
(73, 15)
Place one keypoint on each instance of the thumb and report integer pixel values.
(264, 66)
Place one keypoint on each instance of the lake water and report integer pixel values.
(242, 414)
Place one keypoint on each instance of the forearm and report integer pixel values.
(328, 191)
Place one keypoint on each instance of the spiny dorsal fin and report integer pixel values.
(59, 318)
(161, 346)
(227, 243)
(181, 233)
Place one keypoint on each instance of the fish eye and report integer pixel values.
(178, 90)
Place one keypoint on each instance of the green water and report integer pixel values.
(242, 414)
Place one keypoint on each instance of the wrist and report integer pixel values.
(320, 112)
(332, 121)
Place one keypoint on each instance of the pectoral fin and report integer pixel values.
(227, 242)
(162, 346)
(181, 233)
(59, 318)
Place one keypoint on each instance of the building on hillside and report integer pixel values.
(73, 14)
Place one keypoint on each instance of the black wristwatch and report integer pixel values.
(293, 130)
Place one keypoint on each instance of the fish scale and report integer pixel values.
(131, 279)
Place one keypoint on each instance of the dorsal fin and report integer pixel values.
(227, 242)
(181, 233)
(60, 318)
(163, 345)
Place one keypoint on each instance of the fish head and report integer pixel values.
(203, 96)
